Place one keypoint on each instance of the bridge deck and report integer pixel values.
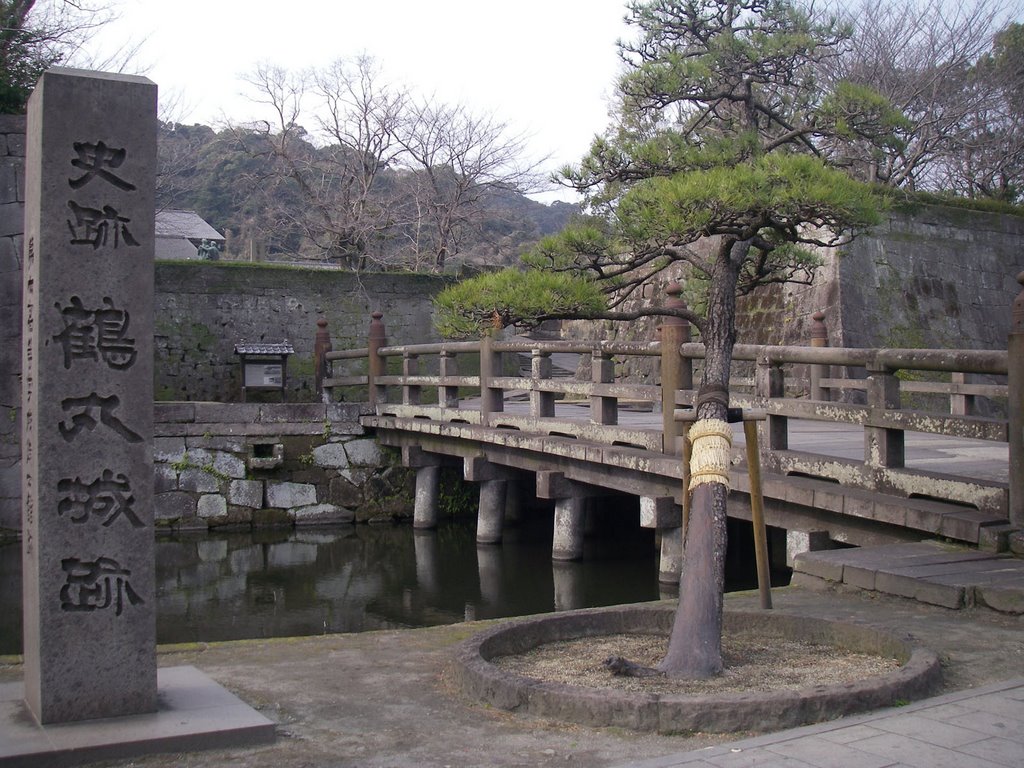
(981, 459)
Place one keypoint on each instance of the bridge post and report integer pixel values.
(1015, 398)
(410, 367)
(567, 541)
(448, 395)
(376, 338)
(603, 410)
(491, 398)
(542, 404)
(769, 382)
(676, 372)
(816, 371)
(883, 447)
(321, 346)
(490, 518)
(428, 491)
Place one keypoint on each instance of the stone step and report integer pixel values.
(931, 572)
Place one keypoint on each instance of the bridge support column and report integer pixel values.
(513, 502)
(428, 489)
(665, 516)
(567, 541)
(670, 567)
(801, 541)
(490, 517)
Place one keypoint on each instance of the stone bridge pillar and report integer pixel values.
(666, 517)
(570, 513)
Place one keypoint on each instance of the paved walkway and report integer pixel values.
(979, 728)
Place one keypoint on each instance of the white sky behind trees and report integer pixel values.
(545, 67)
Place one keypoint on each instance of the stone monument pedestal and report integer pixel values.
(193, 712)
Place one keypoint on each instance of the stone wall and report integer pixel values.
(204, 309)
(248, 465)
(12, 219)
(935, 277)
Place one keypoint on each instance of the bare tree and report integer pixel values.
(919, 54)
(457, 159)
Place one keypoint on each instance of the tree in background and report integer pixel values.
(935, 64)
(38, 34)
(717, 139)
(378, 166)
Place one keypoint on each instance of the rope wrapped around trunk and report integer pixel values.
(711, 440)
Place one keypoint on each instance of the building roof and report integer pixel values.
(284, 348)
(189, 224)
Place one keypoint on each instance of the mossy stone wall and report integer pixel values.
(204, 309)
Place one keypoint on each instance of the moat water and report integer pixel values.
(355, 578)
(271, 583)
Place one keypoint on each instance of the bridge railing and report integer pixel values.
(887, 394)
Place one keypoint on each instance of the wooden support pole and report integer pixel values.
(376, 338)
(676, 372)
(764, 580)
(321, 366)
(1015, 408)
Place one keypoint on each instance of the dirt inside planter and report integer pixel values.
(754, 661)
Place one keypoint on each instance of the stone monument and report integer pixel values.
(90, 637)
(87, 447)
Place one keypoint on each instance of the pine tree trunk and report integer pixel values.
(695, 645)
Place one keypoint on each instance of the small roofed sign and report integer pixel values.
(264, 366)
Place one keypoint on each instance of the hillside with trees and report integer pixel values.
(269, 207)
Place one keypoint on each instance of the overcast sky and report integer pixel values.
(543, 66)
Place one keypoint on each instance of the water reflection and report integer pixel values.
(227, 586)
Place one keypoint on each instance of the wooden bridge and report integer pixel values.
(859, 446)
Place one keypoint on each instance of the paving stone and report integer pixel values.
(914, 752)
(1002, 751)
(936, 732)
(815, 750)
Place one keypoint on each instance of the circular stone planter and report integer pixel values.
(670, 713)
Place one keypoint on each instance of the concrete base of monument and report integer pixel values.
(194, 713)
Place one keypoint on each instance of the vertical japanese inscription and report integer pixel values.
(89, 216)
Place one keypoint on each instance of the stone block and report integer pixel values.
(246, 493)
(198, 480)
(174, 505)
(228, 464)
(659, 512)
(174, 413)
(331, 456)
(226, 413)
(287, 495)
(819, 564)
(211, 442)
(1001, 598)
(168, 449)
(283, 413)
(211, 505)
(860, 577)
(270, 517)
(12, 219)
(165, 478)
(321, 513)
(366, 453)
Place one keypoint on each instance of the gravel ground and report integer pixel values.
(753, 662)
